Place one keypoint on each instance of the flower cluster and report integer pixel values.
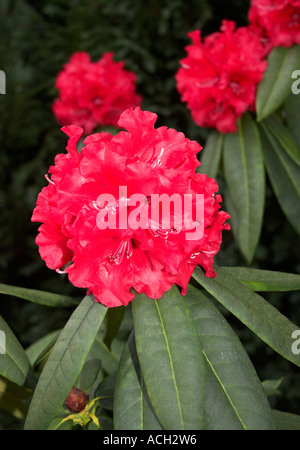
(276, 22)
(110, 261)
(219, 77)
(92, 94)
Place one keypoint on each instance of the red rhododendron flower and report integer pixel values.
(219, 76)
(91, 191)
(94, 93)
(277, 22)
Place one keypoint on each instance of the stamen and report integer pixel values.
(194, 255)
(49, 179)
(158, 231)
(129, 250)
(96, 205)
(60, 271)
(113, 207)
(124, 248)
(157, 162)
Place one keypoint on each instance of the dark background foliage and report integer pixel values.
(36, 39)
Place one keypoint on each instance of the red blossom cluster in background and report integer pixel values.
(276, 22)
(94, 93)
(109, 262)
(219, 77)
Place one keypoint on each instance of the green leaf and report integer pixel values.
(105, 391)
(132, 407)
(271, 387)
(106, 423)
(12, 398)
(113, 321)
(93, 426)
(284, 176)
(40, 297)
(251, 309)
(245, 179)
(284, 137)
(14, 363)
(219, 414)
(171, 359)
(277, 82)
(38, 349)
(65, 363)
(88, 374)
(108, 358)
(286, 421)
(239, 400)
(54, 425)
(292, 109)
(210, 155)
(265, 280)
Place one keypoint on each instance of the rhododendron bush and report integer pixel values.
(237, 82)
(149, 257)
(138, 219)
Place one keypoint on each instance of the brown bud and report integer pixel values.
(76, 400)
